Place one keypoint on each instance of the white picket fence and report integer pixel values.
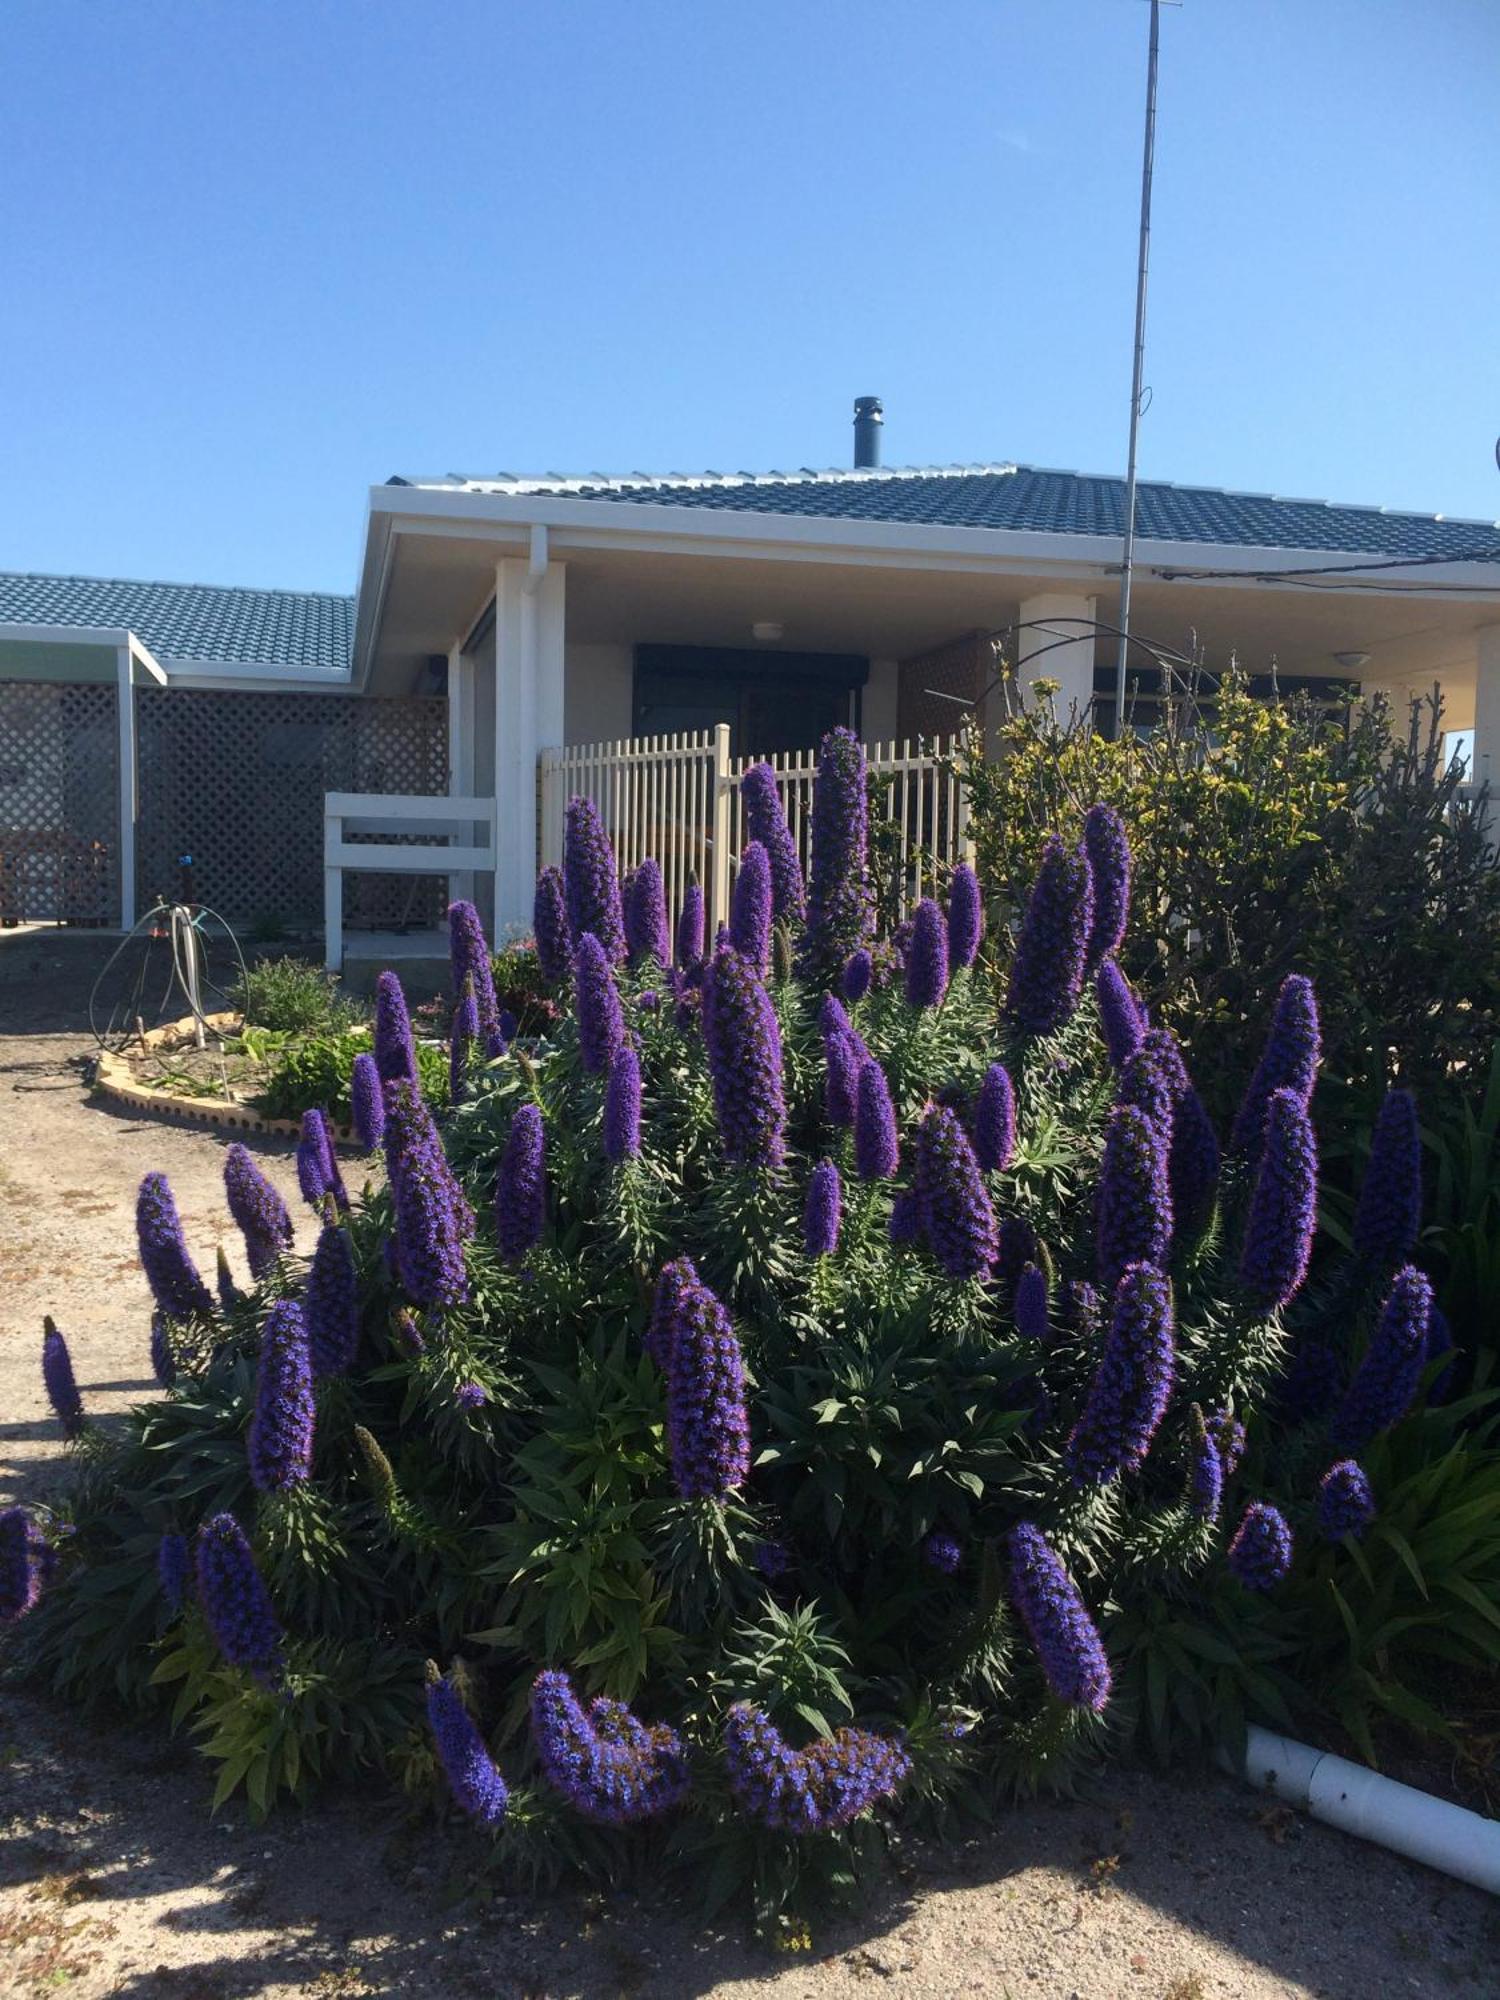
(677, 798)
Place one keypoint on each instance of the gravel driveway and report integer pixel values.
(114, 1880)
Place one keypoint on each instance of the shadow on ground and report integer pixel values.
(115, 1880)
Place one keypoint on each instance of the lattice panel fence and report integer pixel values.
(59, 794)
(237, 781)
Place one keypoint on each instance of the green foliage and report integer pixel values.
(538, 1525)
(1270, 837)
(293, 996)
(313, 1073)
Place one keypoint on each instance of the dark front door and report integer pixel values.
(771, 701)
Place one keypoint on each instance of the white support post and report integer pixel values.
(1485, 769)
(718, 898)
(129, 788)
(460, 750)
(529, 630)
(333, 894)
(1055, 642)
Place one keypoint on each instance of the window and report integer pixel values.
(772, 701)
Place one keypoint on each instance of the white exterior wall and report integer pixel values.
(599, 693)
(1486, 767)
(878, 706)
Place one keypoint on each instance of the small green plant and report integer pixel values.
(293, 996)
(313, 1073)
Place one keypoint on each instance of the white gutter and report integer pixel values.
(1371, 1807)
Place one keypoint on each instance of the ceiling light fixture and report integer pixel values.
(767, 628)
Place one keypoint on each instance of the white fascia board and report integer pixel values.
(817, 538)
(65, 635)
(142, 656)
(255, 674)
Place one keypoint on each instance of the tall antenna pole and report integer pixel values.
(1147, 165)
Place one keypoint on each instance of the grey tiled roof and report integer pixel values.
(1029, 498)
(194, 621)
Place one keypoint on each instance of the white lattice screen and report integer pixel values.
(59, 786)
(237, 781)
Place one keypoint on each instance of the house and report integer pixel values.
(499, 617)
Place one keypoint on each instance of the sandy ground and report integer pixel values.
(115, 1880)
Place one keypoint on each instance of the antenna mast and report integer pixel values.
(1147, 165)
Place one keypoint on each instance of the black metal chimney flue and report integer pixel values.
(868, 421)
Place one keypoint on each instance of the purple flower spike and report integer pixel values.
(943, 1554)
(995, 1120)
(1390, 1197)
(1149, 1082)
(708, 1432)
(840, 905)
(906, 1218)
(965, 916)
(1030, 1309)
(368, 1103)
(816, 1790)
(824, 1211)
(1206, 1473)
(549, 922)
(1067, 1642)
(622, 1106)
(258, 1209)
(25, 1564)
(744, 1060)
(601, 1023)
(750, 908)
(858, 973)
(690, 928)
(1283, 1205)
(170, 1271)
(239, 1612)
(608, 1765)
(927, 961)
(471, 1396)
(1107, 846)
(59, 1382)
(1346, 1506)
(473, 1776)
(661, 1331)
(469, 958)
(332, 1305)
(953, 1203)
(647, 933)
(280, 1440)
(1046, 977)
(841, 1081)
(1293, 1050)
(1261, 1553)
(1132, 1385)
(395, 1051)
(429, 1233)
(318, 1174)
(172, 1568)
(591, 882)
(877, 1152)
(1192, 1169)
(1119, 1017)
(765, 821)
(1133, 1224)
(1382, 1390)
(1229, 1438)
(521, 1188)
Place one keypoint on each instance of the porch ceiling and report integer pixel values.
(437, 582)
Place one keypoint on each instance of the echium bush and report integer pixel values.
(797, 1390)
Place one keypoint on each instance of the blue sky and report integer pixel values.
(258, 257)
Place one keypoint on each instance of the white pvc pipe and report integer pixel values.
(1361, 1802)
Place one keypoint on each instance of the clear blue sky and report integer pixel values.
(259, 254)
